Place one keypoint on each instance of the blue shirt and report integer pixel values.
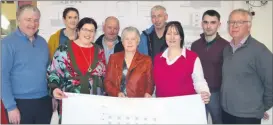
(24, 65)
(108, 51)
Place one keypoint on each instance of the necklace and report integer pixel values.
(89, 64)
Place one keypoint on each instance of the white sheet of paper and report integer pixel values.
(92, 109)
(269, 121)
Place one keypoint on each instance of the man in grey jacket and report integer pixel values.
(246, 91)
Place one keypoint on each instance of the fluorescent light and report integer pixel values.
(5, 22)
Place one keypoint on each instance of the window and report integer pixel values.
(8, 15)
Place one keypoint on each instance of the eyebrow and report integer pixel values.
(87, 28)
(72, 16)
(209, 21)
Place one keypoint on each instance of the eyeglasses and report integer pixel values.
(87, 30)
(238, 23)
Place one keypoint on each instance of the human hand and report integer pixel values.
(205, 97)
(59, 94)
(121, 94)
(14, 116)
(266, 116)
(147, 95)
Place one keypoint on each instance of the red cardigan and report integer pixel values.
(175, 79)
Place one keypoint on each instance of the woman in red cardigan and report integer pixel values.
(178, 71)
(129, 73)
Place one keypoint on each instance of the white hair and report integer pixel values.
(26, 7)
(244, 12)
(130, 29)
(158, 7)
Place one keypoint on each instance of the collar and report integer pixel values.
(204, 39)
(241, 42)
(165, 53)
(103, 43)
(20, 33)
(135, 61)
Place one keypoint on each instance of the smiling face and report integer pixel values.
(71, 19)
(130, 41)
(87, 33)
(239, 25)
(173, 38)
(28, 22)
(159, 18)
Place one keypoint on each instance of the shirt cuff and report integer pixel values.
(12, 107)
(202, 87)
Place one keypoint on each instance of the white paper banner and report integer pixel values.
(92, 109)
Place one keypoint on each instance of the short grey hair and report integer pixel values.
(26, 7)
(158, 7)
(130, 29)
(242, 11)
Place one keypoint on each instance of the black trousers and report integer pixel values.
(35, 111)
(230, 119)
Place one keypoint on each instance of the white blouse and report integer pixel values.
(199, 82)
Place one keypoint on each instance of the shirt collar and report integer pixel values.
(103, 43)
(165, 53)
(20, 33)
(240, 43)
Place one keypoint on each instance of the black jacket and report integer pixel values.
(118, 46)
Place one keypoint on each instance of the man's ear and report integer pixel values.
(219, 26)
(166, 17)
(103, 27)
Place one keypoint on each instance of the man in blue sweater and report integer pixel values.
(247, 88)
(25, 58)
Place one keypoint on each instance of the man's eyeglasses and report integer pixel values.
(238, 23)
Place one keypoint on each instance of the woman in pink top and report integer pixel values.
(178, 71)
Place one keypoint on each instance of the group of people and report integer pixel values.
(233, 78)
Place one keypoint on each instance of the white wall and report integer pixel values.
(261, 30)
(135, 13)
(262, 22)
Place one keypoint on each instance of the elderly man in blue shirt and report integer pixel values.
(25, 58)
